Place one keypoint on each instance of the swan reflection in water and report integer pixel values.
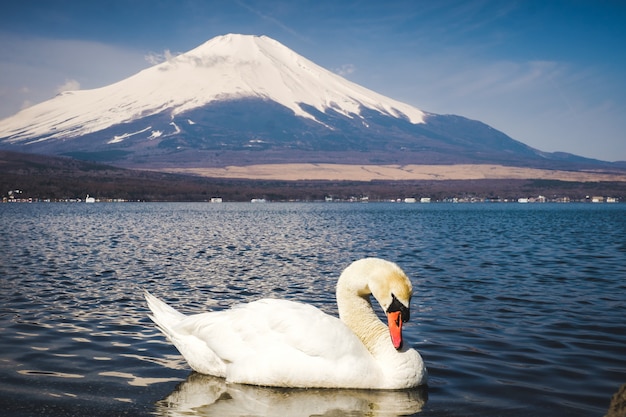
(204, 395)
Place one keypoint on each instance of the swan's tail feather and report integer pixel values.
(164, 316)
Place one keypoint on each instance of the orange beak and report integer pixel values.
(395, 328)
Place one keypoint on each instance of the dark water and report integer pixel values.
(520, 309)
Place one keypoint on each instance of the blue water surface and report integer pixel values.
(518, 310)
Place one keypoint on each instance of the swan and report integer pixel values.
(281, 343)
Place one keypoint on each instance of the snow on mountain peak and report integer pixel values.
(225, 67)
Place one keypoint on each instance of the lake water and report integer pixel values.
(519, 308)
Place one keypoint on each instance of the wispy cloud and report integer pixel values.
(493, 78)
(68, 85)
(35, 69)
(26, 104)
(345, 70)
(155, 58)
(274, 21)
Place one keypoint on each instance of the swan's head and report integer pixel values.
(390, 287)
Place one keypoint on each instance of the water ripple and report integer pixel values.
(518, 309)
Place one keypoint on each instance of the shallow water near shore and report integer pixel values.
(518, 309)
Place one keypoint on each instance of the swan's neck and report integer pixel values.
(356, 312)
(399, 369)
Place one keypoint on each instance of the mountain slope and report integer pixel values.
(239, 100)
(224, 68)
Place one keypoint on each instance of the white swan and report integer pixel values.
(287, 344)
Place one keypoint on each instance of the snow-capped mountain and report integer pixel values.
(224, 68)
(238, 94)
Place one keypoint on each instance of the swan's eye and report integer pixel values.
(398, 306)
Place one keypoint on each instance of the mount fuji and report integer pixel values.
(239, 100)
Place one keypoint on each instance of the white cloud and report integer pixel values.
(345, 69)
(154, 58)
(33, 68)
(68, 85)
(26, 104)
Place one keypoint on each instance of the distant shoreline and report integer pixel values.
(344, 172)
(41, 178)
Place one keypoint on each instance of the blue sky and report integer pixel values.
(551, 74)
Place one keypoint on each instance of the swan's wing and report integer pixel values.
(196, 352)
(279, 342)
(164, 316)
